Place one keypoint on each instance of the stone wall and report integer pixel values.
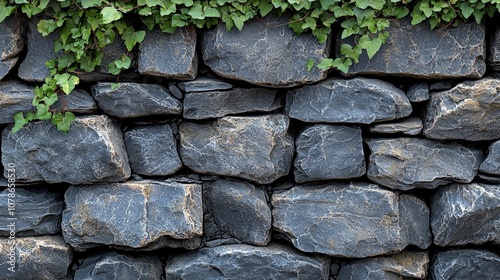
(221, 157)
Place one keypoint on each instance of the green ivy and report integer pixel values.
(86, 27)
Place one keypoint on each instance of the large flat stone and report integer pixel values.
(37, 211)
(465, 264)
(466, 214)
(491, 165)
(329, 152)
(266, 53)
(469, 111)
(419, 52)
(78, 101)
(359, 100)
(407, 163)
(139, 215)
(172, 56)
(353, 220)
(216, 104)
(255, 148)
(408, 126)
(11, 43)
(202, 84)
(92, 151)
(14, 97)
(275, 262)
(130, 100)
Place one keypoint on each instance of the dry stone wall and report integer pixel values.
(221, 157)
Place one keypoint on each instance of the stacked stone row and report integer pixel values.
(252, 167)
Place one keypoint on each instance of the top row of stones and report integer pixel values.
(268, 53)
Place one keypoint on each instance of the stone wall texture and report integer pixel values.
(220, 156)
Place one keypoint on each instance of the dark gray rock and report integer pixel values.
(490, 178)
(115, 265)
(359, 100)
(409, 126)
(407, 163)
(216, 104)
(14, 97)
(401, 266)
(172, 56)
(469, 111)
(92, 151)
(440, 86)
(466, 214)
(239, 209)
(78, 101)
(254, 148)
(266, 53)
(152, 150)
(491, 165)
(465, 264)
(275, 262)
(131, 100)
(416, 51)
(494, 50)
(37, 211)
(175, 91)
(11, 44)
(141, 215)
(201, 84)
(35, 258)
(329, 152)
(418, 92)
(353, 220)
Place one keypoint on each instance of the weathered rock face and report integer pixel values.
(465, 264)
(274, 261)
(152, 150)
(216, 104)
(131, 100)
(396, 267)
(223, 147)
(92, 151)
(115, 265)
(329, 152)
(491, 164)
(417, 51)
(79, 101)
(409, 126)
(418, 92)
(172, 56)
(202, 84)
(239, 209)
(494, 50)
(359, 100)
(265, 53)
(14, 97)
(349, 220)
(36, 258)
(36, 211)
(407, 163)
(469, 111)
(11, 44)
(142, 215)
(466, 214)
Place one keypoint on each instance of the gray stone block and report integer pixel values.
(359, 100)
(494, 50)
(202, 84)
(409, 126)
(465, 264)
(491, 165)
(418, 92)
(78, 101)
(14, 97)
(407, 163)
(11, 43)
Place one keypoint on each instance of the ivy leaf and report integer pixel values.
(375, 45)
(212, 12)
(310, 64)
(110, 14)
(5, 12)
(90, 3)
(325, 64)
(46, 26)
(466, 9)
(131, 37)
(375, 4)
(63, 122)
(265, 8)
(19, 122)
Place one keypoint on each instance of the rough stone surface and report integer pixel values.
(466, 214)
(465, 264)
(409, 126)
(152, 150)
(490, 178)
(131, 100)
(37, 211)
(216, 104)
(115, 265)
(14, 97)
(329, 152)
(359, 100)
(78, 101)
(418, 92)
(469, 111)
(141, 215)
(11, 44)
(275, 262)
(396, 267)
(407, 163)
(491, 165)
(351, 220)
(201, 84)
(254, 148)
(265, 52)
(417, 51)
(92, 151)
(36, 258)
(239, 209)
(172, 56)
(494, 50)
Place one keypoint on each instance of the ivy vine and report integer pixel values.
(86, 27)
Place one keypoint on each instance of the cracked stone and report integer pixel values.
(465, 264)
(491, 165)
(11, 44)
